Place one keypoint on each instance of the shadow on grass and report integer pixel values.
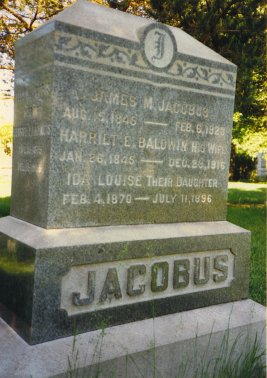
(4, 206)
(245, 196)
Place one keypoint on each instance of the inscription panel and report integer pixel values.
(110, 131)
(95, 287)
(153, 154)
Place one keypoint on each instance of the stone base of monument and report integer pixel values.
(56, 283)
(168, 346)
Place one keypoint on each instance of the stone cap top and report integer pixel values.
(119, 24)
(39, 238)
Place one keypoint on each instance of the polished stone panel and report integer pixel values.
(85, 277)
(119, 128)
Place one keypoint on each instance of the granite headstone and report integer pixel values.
(127, 128)
(261, 165)
(117, 126)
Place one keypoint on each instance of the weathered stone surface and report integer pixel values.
(119, 125)
(167, 345)
(54, 280)
(128, 129)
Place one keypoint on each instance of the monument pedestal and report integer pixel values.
(168, 346)
(57, 283)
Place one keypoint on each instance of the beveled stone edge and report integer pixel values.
(40, 238)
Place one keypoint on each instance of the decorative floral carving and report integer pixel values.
(117, 55)
(94, 50)
(77, 46)
(211, 76)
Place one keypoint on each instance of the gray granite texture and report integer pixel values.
(127, 128)
(119, 125)
(57, 283)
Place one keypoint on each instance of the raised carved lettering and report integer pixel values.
(118, 283)
(134, 272)
(111, 286)
(76, 297)
(201, 270)
(220, 263)
(181, 273)
(159, 276)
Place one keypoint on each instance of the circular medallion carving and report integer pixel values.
(159, 46)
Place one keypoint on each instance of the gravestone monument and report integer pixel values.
(261, 165)
(120, 169)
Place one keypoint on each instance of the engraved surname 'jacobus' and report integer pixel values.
(94, 287)
(176, 107)
(202, 271)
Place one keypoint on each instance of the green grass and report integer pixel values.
(229, 359)
(4, 206)
(5, 186)
(5, 189)
(245, 193)
(253, 219)
(233, 353)
(246, 208)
